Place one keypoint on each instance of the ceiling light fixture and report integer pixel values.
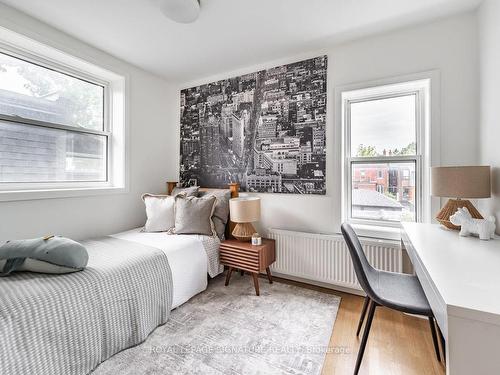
(182, 11)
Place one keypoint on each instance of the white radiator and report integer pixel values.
(325, 258)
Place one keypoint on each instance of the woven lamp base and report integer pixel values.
(243, 231)
(451, 207)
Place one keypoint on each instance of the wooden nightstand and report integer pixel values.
(246, 257)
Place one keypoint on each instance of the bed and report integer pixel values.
(68, 324)
(191, 258)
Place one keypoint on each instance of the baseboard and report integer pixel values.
(320, 284)
(337, 288)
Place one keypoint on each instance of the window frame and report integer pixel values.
(115, 121)
(421, 89)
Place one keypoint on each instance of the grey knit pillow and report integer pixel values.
(221, 209)
(191, 191)
(194, 215)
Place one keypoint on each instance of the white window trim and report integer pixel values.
(115, 119)
(429, 138)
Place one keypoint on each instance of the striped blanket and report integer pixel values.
(68, 324)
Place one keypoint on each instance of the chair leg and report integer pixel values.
(443, 344)
(363, 314)
(434, 337)
(366, 332)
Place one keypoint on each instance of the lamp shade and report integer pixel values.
(244, 209)
(461, 182)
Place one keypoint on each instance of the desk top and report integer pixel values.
(464, 270)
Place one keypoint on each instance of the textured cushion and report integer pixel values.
(194, 215)
(402, 292)
(221, 210)
(191, 191)
(160, 212)
(45, 255)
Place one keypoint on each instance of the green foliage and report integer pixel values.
(411, 149)
(366, 151)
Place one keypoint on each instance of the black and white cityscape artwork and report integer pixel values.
(265, 130)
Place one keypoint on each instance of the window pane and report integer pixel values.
(383, 127)
(383, 191)
(31, 91)
(36, 154)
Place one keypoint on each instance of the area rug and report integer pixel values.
(230, 330)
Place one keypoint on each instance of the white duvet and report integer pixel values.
(186, 255)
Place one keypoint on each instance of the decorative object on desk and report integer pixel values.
(485, 228)
(244, 211)
(459, 182)
(256, 239)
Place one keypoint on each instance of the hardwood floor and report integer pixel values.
(398, 343)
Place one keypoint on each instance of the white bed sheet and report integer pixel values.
(187, 258)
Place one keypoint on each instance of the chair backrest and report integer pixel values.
(365, 273)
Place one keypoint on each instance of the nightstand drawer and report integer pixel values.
(240, 265)
(243, 260)
(237, 258)
(243, 254)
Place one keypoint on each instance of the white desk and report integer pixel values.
(461, 279)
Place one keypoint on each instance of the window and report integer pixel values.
(383, 149)
(51, 127)
(62, 123)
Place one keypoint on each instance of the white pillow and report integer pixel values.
(160, 212)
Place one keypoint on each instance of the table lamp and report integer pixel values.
(244, 211)
(458, 183)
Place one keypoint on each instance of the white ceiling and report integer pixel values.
(229, 34)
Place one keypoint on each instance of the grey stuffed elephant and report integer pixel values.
(51, 254)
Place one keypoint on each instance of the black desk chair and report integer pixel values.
(393, 290)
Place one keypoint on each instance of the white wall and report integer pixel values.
(489, 51)
(151, 146)
(449, 46)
